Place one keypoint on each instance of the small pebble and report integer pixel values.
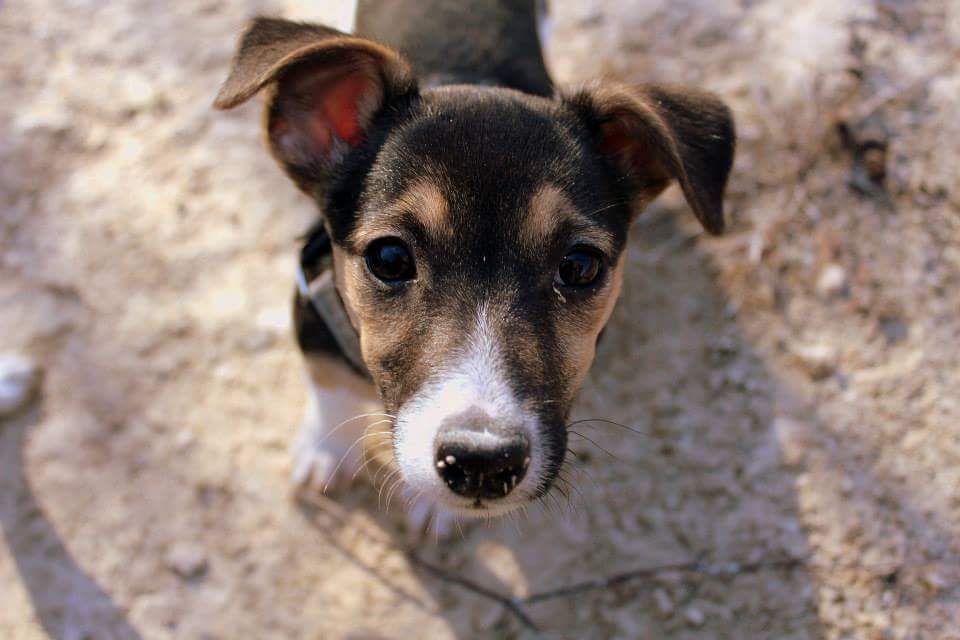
(663, 602)
(818, 360)
(187, 560)
(694, 617)
(832, 281)
(935, 580)
(19, 377)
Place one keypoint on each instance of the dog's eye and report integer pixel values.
(390, 260)
(579, 268)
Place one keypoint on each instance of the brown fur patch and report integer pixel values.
(578, 340)
(392, 343)
(550, 208)
(423, 201)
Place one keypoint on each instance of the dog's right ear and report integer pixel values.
(325, 89)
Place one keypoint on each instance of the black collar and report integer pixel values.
(320, 289)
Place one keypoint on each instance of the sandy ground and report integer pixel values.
(793, 385)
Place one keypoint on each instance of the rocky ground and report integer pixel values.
(793, 385)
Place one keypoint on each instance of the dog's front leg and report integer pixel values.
(344, 422)
(344, 427)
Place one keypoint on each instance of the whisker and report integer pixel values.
(562, 492)
(574, 492)
(385, 469)
(564, 510)
(593, 442)
(557, 502)
(581, 470)
(349, 420)
(367, 451)
(412, 500)
(346, 454)
(511, 517)
(392, 491)
(383, 485)
(542, 501)
(367, 459)
(436, 526)
(606, 421)
(609, 206)
(577, 462)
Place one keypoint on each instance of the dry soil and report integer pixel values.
(792, 385)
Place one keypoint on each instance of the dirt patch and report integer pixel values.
(792, 385)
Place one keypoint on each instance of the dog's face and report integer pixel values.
(481, 261)
(478, 239)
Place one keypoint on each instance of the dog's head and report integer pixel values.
(478, 237)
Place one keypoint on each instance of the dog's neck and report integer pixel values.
(485, 42)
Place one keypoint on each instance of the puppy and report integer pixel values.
(470, 246)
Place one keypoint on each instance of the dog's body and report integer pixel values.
(473, 226)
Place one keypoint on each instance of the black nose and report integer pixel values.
(481, 463)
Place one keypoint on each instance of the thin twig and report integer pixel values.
(512, 605)
(703, 568)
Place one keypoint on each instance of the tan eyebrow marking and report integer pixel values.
(427, 203)
(423, 200)
(549, 208)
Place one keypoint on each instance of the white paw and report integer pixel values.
(341, 409)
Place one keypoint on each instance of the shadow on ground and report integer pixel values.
(67, 602)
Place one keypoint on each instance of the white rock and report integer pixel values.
(186, 559)
(694, 617)
(51, 117)
(935, 580)
(136, 91)
(832, 280)
(818, 360)
(19, 377)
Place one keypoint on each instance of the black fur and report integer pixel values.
(485, 42)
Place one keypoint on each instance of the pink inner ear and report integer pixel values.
(340, 111)
(316, 111)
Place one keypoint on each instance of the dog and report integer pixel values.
(471, 238)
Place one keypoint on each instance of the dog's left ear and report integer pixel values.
(325, 90)
(654, 134)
